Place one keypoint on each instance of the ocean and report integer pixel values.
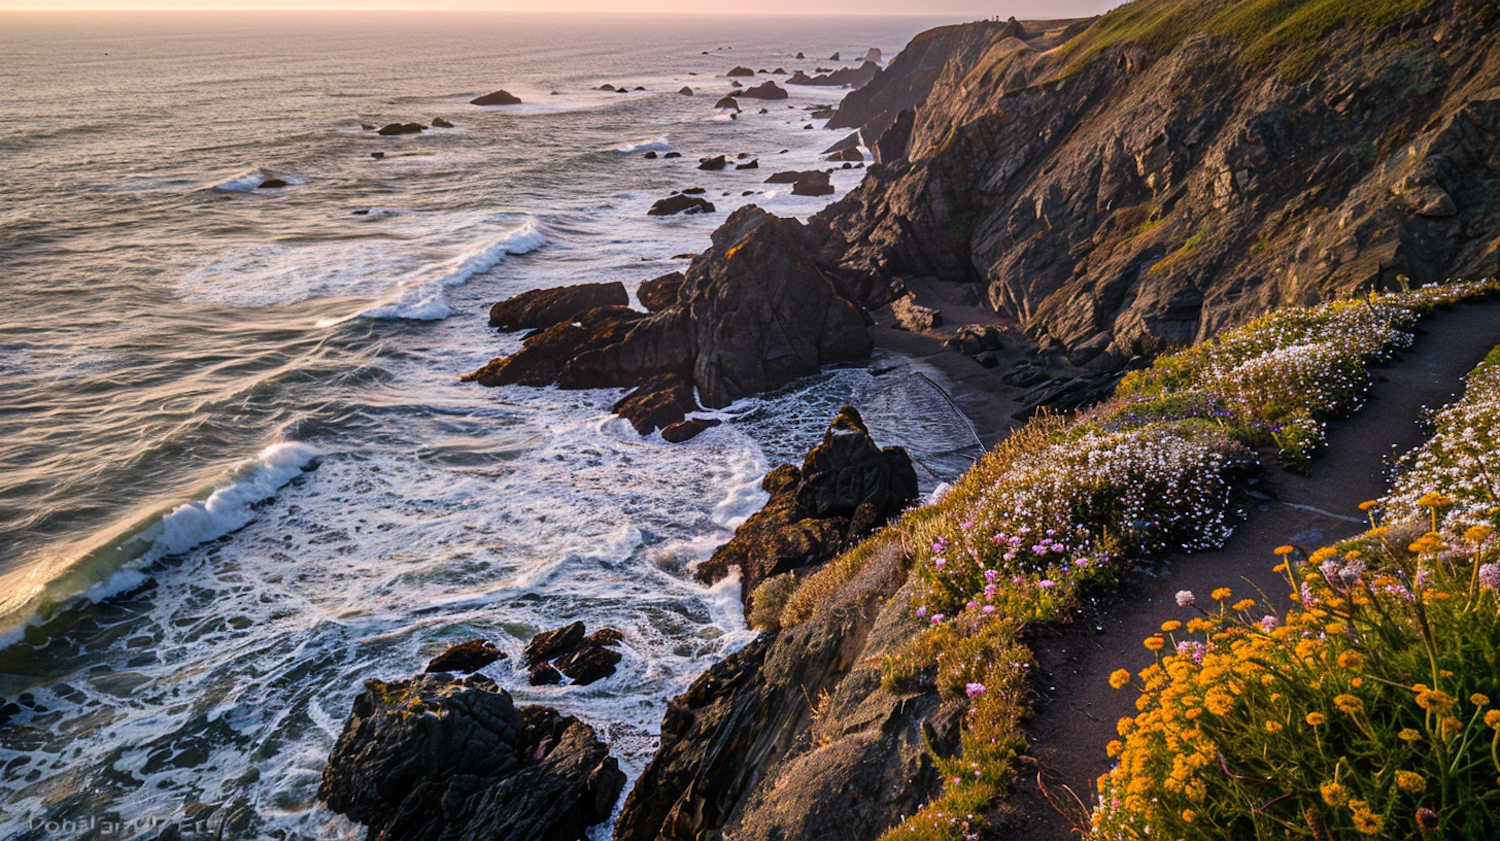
(238, 474)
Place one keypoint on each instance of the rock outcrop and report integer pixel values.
(497, 98)
(437, 757)
(466, 657)
(546, 307)
(570, 650)
(766, 90)
(754, 312)
(846, 486)
(740, 71)
(659, 293)
(795, 738)
(680, 203)
(844, 77)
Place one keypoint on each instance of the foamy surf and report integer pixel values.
(420, 297)
(655, 144)
(121, 564)
(250, 181)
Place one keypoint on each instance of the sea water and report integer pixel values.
(238, 474)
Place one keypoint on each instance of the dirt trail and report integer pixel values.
(1076, 710)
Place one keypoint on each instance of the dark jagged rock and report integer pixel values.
(438, 757)
(835, 57)
(694, 191)
(852, 77)
(466, 657)
(780, 71)
(850, 155)
(812, 184)
(554, 643)
(766, 90)
(754, 312)
(681, 203)
(497, 98)
(743, 756)
(545, 354)
(714, 163)
(584, 659)
(740, 71)
(686, 430)
(661, 292)
(546, 307)
(846, 486)
(544, 674)
(394, 129)
(440, 122)
(658, 403)
(748, 165)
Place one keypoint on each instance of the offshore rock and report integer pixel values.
(685, 204)
(658, 403)
(687, 429)
(394, 129)
(544, 355)
(847, 485)
(584, 659)
(466, 657)
(437, 757)
(546, 307)
(497, 98)
(767, 90)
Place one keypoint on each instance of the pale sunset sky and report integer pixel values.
(1023, 9)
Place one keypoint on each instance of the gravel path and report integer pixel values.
(1076, 711)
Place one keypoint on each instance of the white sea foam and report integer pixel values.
(420, 296)
(655, 144)
(247, 182)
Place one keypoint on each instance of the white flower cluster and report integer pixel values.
(1461, 459)
(1321, 377)
(1149, 483)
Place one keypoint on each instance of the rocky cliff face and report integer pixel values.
(1121, 194)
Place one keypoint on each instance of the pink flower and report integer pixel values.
(939, 563)
(1046, 583)
(989, 608)
(991, 575)
(1185, 598)
(968, 524)
(936, 618)
(974, 690)
(922, 611)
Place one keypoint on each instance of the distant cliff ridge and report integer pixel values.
(1179, 168)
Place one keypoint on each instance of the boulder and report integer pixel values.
(846, 487)
(913, 316)
(452, 759)
(650, 156)
(661, 292)
(271, 184)
(393, 129)
(439, 122)
(973, 338)
(584, 659)
(672, 155)
(814, 184)
(672, 205)
(607, 87)
(685, 90)
(687, 429)
(740, 71)
(556, 642)
(466, 657)
(728, 102)
(712, 164)
(780, 71)
(497, 98)
(546, 307)
(765, 90)
(748, 165)
(657, 403)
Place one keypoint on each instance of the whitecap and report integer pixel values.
(655, 144)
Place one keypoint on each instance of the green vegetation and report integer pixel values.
(1062, 505)
(1369, 708)
(1266, 28)
(1188, 249)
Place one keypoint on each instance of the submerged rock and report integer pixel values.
(394, 129)
(439, 122)
(438, 757)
